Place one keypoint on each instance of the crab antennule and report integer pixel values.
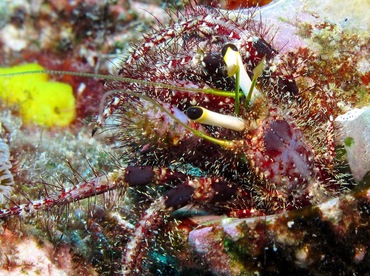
(205, 116)
(211, 91)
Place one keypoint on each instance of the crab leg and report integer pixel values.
(130, 176)
(95, 186)
(202, 190)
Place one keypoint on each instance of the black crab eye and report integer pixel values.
(226, 47)
(194, 112)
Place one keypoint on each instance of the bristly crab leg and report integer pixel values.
(125, 177)
(199, 190)
(83, 190)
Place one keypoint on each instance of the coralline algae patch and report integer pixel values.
(39, 100)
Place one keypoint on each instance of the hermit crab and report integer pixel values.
(215, 124)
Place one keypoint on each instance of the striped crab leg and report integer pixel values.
(119, 178)
(187, 190)
(197, 190)
(87, 189)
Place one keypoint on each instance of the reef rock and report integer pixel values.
(355, 136)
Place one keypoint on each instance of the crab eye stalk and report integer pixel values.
(235, 67)
(231, 57)
(205, 116)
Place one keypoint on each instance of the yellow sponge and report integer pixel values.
(40, 101)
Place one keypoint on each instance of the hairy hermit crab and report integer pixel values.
(216, 125)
